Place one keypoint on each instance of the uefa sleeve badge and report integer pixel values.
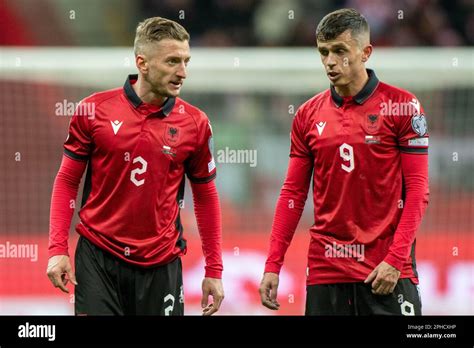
(419, 125)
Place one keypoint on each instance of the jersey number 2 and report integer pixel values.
(347, 154)
(138, 171)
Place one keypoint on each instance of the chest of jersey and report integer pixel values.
(139, 149)
(131, 134)
(351, 134)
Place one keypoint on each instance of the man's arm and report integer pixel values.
(208, 217)
(64, 194)
(415, 176)
(288, 212)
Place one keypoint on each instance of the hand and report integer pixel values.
(386, 278)
(213, 287)
(268, 290)
(58, 267)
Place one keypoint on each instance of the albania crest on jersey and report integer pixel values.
(419, 125)
(172, 134)
(372, 123)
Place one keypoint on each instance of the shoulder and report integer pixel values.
(314, 103)
(192, 111)
(89, 105)
(394, 93)
(397, 101)
(309, 108)
(103, 96)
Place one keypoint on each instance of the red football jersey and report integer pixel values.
(355, 144)
(138, 155)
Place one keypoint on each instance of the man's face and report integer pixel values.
(167, 61)
(342, 58)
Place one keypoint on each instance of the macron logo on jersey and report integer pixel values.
(116, 126)
(320, 126)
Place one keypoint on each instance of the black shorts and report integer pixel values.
(357, 299)
(110, 286)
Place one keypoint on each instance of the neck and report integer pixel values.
(355, 86)
(144, 91)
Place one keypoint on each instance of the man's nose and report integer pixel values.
(331, 61)
(181, 73)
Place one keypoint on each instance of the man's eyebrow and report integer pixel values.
(333, 47)
(171, 56)
(339, 45)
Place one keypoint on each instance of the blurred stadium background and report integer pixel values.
(253, 63)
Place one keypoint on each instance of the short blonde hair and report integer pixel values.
(155, 29)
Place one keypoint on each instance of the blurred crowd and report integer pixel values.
(223, 23)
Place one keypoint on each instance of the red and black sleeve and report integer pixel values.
(292, 198)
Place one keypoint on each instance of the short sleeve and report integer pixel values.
(413, 129)
(201, 166)
(299, 147)
(78, 143)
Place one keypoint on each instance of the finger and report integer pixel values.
(64, 279)
(267, 291)
(274, 293)
(205, 298)
(376, 291)
(392, 288)
(389, 288)
(217, 301)
(207, 308)
(57, 281)
(384, 290)
(210, 310)
(376, 284)
(264, 292)
(271, 305)
(72, 276)
(371, 276)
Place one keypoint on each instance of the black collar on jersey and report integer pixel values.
(364, 93)
(136, 101)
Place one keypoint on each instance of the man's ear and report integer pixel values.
(142, 63)
(366, 52)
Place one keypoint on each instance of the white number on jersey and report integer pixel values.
(138, 171)
(347, 154)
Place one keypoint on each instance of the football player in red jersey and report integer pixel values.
(365, 143)
(138, 144)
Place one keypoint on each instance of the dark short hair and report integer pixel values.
(337, 22)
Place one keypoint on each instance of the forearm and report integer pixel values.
(208, 217)
(415, 175)
(288, 211)
(63, 197)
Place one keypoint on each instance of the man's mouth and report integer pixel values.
(333, 75)
(176, 84)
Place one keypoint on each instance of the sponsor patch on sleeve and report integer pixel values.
(211, 166)
(418, 142)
